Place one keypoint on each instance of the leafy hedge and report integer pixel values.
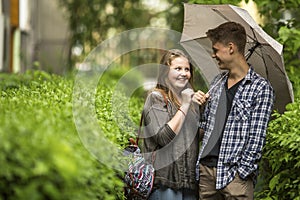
(281, 160)
(280, 167)
(41, 154)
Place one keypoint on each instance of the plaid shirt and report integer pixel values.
(245, 129)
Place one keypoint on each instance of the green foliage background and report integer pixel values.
(41, 154)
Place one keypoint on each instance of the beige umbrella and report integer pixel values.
(262, 51)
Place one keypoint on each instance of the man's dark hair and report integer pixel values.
(229, 32)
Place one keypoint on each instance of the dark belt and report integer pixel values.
(209, 161)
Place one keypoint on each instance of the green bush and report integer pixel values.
(281, 159)
(41, 155)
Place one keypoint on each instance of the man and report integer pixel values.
(237, 110)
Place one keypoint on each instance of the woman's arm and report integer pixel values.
(158, 124)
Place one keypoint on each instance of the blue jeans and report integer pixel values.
(168, 193)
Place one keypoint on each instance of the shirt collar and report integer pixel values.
(249, 75)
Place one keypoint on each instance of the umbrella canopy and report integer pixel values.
(262, 51)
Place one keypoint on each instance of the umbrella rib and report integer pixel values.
(252, 38)
(218, 12)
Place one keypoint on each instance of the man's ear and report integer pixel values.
(232, 47)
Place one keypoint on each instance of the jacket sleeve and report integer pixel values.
(156, 119)
(259, 121)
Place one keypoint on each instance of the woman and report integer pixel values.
(170, 133)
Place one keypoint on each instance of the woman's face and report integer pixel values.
(179, 73)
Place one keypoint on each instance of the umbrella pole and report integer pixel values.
(251, 50)
(217, 83)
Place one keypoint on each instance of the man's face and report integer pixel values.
(222, 54)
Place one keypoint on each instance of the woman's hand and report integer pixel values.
(187, 96)
(177, 121)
